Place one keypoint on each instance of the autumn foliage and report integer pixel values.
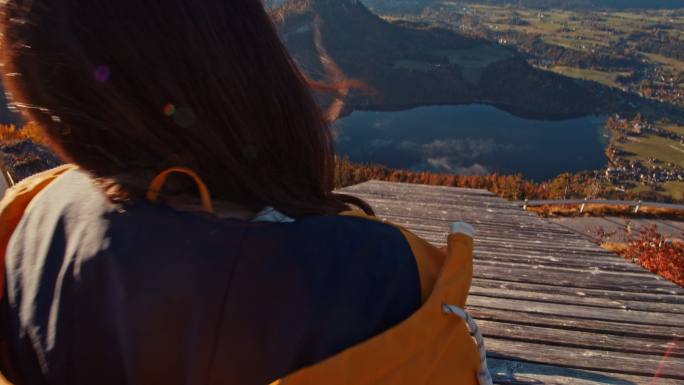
(656, 253)
(513, 187)
(11, 133)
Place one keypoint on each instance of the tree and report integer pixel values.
(560, 186)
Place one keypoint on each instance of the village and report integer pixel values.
(627, 170)
(639, 56)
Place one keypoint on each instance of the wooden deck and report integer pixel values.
(554, 307)
(619, 229)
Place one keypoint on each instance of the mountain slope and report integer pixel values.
(399, 5)
(411, 67)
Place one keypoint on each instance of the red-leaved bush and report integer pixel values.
(657, 254)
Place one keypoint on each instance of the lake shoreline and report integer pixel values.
(531, 115)
(472, 139)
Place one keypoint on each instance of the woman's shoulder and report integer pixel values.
(76, 204)
(75, 200)
(351, 271)
(353, 230)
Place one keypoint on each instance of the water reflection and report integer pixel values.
(472, 139)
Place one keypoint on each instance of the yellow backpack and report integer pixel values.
(432, 347)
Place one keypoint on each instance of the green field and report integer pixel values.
(666, 61)
(603, 77)
(566, 28)
(665, 150)
(583, 31)
(415, 65)
(674, 128)
(662, 149)
(675, 190)
(473, 61)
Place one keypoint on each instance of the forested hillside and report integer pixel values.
(513, 187)
(405, 67)
(542, 4)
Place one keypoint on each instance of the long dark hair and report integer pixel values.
(128, 88)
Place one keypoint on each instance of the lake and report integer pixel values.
(472, 139)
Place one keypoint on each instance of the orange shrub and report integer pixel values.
(657, 254)
(10, 133)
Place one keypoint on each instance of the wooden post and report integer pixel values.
(5, 182)
(584, 205)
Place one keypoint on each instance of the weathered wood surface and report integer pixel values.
(603, 202)
(619, 230)
(4, 183)
(554, 307)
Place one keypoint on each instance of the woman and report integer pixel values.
(260, 280)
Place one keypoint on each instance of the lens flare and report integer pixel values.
(185, 117)
(169, 110)
(102, 74)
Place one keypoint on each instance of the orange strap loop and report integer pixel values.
(159, 181)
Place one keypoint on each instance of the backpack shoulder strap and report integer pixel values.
(14, 205)
(12, 208)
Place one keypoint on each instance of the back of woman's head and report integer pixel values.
(128, 88)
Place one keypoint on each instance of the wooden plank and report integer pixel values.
(436, 207)
(559, 247)
(526, 232)
(445, 220)
(598, 280)
(667, 333)
(437, 200)
(4, 183)
(394, 187)
(443, 200)
(679, 225)
(578, 311)
(632, 301)
(550, 302)
(433, 211)
(540, 239)
(539, 242)
(637, 224)
(484, 229)
(664, 227)
(587, 359)
(603, 202)
(515, 372)
(601, 263)
(580, 339)
(453, 204)
(548, 244)
(589, 279)
(582, 300)
(623, 267)
(629, 276)
(588, 255)
(588, 226)
(638, 275)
